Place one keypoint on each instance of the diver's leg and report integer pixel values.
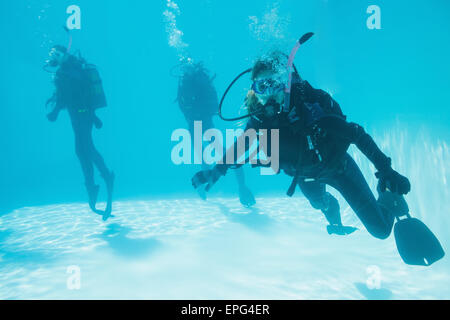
(199, 152)
(99, 162)
(82, 150)
(322, 200)
(87, 166)
(245, 195)
(107, 175)
(351, 183)
(240, 177)
(198, 149)
(84, 129)
(82, 147)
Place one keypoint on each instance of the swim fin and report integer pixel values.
(416, 244)
(202, 192)
(340, 229)
(246, 197)
(92, 191)
(109, 188)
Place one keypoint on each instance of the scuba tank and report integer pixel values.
(95, 95)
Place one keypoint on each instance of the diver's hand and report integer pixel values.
(208, 177)
(52, 116)
(51, 100)
(97, 122)
(394, 181)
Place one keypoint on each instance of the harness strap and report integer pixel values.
(293, 185)
(294, 182)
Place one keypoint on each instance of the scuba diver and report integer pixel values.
(78, 89)
(197, 99)
(314, 136)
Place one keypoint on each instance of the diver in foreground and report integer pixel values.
(197, 99)
(313, 140)
(78, 89)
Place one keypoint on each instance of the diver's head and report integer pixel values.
(195, 74)
(269, 78)
(192, 69)
(57, 55)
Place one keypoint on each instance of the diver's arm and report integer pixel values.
(356, 134)
(58, 100)
(51, 100)
(224, 166)
(368, 147)
(388, 177)
(97, 122)
(210, 177)
(53, 115)
(241, 140)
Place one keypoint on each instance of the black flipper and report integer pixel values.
(246, 197)
(416, 244)
(340, 229)
(202, 192)
(92, 191)
(109, 188)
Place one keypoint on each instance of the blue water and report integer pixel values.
(393, 81)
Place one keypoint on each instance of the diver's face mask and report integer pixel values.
(267, 86)
(56, 58)
(270, 94)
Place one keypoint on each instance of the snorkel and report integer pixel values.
(69, 45)
(290, 67)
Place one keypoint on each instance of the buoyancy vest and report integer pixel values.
(78, 85)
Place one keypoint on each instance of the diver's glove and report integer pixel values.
(52, 116)
(394, 181)
(208, 177)
(97, 122)
(51, 100)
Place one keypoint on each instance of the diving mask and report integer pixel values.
(267, 86)
(269, 91)
(55, 57)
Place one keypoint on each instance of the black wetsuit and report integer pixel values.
(197, 99)
(313, 141)
(71, 95)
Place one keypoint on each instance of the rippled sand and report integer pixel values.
(192, 249)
